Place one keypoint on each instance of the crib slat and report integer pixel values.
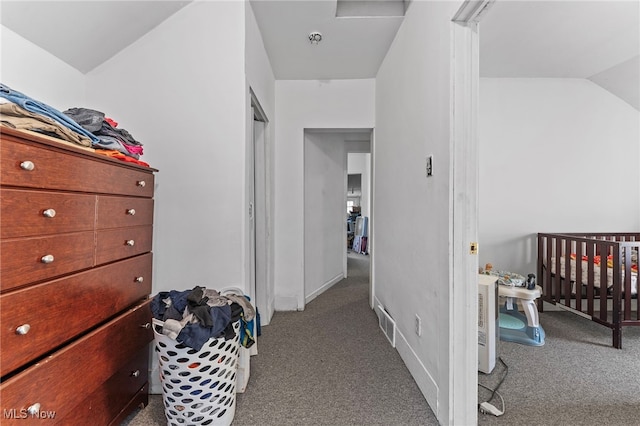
(590, 292)
(616, 286)
(548, 283)
(579, 276)
(626, 270)
(567, 272)
(556, 279)
(602, 248)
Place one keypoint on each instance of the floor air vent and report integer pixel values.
(387, 324)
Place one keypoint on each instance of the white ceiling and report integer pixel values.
(85, 34)
(599, 40)
(573, 39)
(351, 47)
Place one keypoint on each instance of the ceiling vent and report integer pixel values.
(371, 8)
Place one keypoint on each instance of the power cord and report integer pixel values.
(486, 407)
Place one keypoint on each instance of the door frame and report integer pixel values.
(260, 262)
(463, 312)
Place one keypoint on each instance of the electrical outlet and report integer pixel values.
(429, 166)
(418, 325)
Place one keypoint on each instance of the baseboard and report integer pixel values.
(326, 286)
(420, 374)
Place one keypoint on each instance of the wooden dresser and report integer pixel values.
(75, 280)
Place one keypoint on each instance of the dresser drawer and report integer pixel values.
(62, 381)
(26, 260)
(73, 304)
(34, 166)
(105, 403)
(118, 212)
(115, 244)
(29, 213)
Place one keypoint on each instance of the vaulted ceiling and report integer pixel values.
(597, 40)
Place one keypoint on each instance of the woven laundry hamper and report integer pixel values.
(198, 387)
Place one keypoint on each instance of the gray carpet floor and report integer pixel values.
(575, 379)
(327, 365)
(331, 365)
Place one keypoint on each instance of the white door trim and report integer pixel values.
(370, 241)
(262, 164)
(463, 312)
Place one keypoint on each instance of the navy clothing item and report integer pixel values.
(195, 335)
(37, 107)
(175, 310)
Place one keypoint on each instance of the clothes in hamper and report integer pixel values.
(169, 304)
(205, 314)
(195, 335)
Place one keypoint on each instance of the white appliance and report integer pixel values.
(488, 330)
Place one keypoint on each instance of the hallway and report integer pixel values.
(327, 365)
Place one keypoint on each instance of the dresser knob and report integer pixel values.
(139, 279)
(141, 183)
(34, 409)
(135, 373)
(131, 212)
(49, 213)
(23, 329)
(146, 326)
(47, 259)
(27, 165)
(130, 243)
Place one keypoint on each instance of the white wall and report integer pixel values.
(183, 90)
(360, 163)
(23, 65)
(324, 212)
(180, 90)
(556, 155)
(412, 266)
(336, 104)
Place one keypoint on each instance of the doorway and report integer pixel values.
(325, 200)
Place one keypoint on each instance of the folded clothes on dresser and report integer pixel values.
(110, 137)
(41, 108)
(14, 116)
(82, 126)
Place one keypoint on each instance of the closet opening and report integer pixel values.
(260, 212)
